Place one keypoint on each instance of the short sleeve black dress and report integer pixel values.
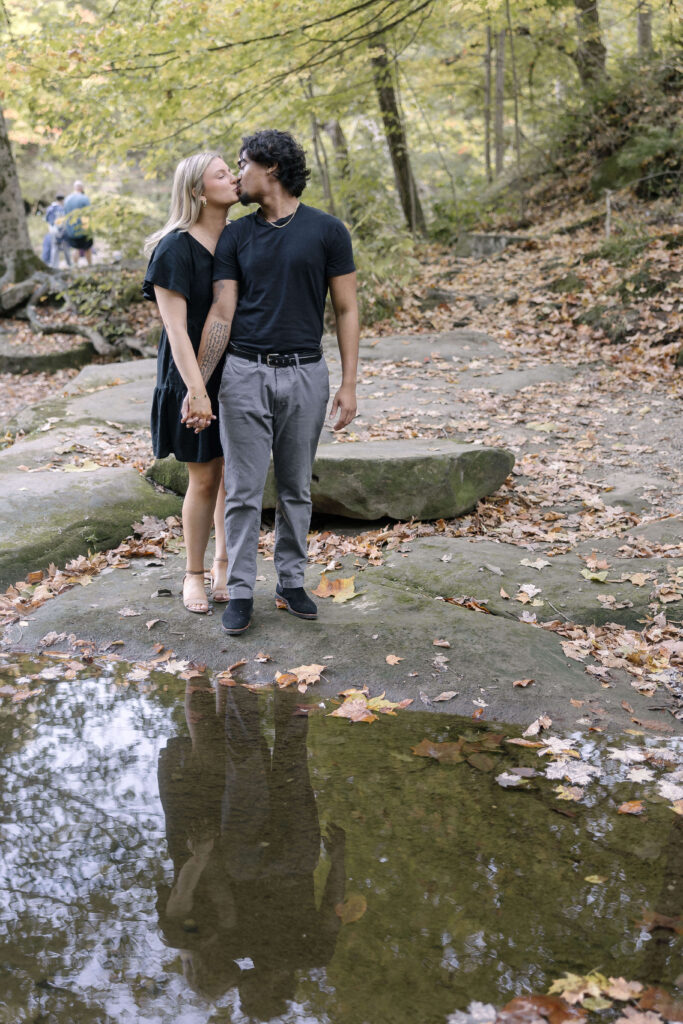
(182, 264)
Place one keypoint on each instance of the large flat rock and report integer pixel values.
(389, 616)
(399, 479)
(53, 515)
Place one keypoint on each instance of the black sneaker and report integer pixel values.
(237, 615)
(296, 601)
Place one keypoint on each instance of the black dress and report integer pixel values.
(182, 264)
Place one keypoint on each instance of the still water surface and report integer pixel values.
(173, 852)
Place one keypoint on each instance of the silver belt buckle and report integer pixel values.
(272, 355)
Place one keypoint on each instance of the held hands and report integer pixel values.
(196, 412)
(345, 404)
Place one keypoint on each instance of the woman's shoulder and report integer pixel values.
(174, 241)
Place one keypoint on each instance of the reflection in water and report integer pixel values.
(244, 838)
(471, 891)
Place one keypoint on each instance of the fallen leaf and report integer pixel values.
(598, 880)
(352, 909)
(446, 695)
(631, 807)
(533, 1009)
(539, 564)
(152, 622)
(339, 590)
(52, 638)
(633, 1016)
(285, 679)
(574, 987)
(677, 807)
(569, 792)
(441, 643)
(659, 1000)
(392, 659)
(504, 594)
(623, 990)
(523, 682)
(446, 753)
(128, 613)
(542, 722)
(595, 577)
(308, 674)
(262, 658)
(652, 919)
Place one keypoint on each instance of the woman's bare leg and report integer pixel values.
(198, 511)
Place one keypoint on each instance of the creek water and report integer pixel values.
(177, 851)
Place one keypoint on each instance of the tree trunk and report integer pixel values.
(321, 162)
(398, 146)
(487, 106)
(499, 138)
(590, 54)
(340, 146)
(17, 259)
(644, 29)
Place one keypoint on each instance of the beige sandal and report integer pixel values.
(219, 594)
(196, 606)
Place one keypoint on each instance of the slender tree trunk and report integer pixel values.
(590, 55)
(644, 29)
(340, 146)
(321, 162)
(487, 106)
(398, 146)
(499, 138)
(515, 91)
(17, 258)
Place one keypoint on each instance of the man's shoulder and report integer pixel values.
(236, 227)
(326, 221)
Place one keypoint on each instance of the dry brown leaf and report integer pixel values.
(631, 807)
(352, 909)
(393, 659)
(339, 590)
(523, 682)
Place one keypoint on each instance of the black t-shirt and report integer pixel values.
(283, 275)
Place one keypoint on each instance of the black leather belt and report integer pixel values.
(276, 359)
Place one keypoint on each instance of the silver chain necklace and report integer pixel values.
(278, 226)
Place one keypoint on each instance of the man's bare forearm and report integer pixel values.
(216, 332)
(215, 338)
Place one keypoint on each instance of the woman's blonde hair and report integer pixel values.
(185, 197)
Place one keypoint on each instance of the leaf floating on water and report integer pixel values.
(358, 706)
(446, 753)
(574, 988)
(530, 1009)
(623, 990)
(482, 762)
(508, 780)
(542, 722)
(651, 920)
(600, 880)
(631, 807)
(352, 909)
(569, 792)
(285, 679)
(477, 1013)
(339, 590)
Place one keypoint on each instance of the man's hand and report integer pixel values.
(345, 404)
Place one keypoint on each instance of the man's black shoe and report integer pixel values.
(296, 601)
(237, 615)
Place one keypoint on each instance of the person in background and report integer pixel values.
(54, 215)
(77, 227)
(179, 279)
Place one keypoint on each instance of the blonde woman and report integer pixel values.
(179, 279)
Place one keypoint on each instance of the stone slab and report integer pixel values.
(22, 359)
(388, 616)
(54, 516)
(398, 479)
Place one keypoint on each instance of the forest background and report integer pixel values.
(421, 118)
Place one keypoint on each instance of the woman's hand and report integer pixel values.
(196, 411)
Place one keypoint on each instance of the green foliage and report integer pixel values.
(124, 221)
(107, 293)
(624, 249)
(655, 157)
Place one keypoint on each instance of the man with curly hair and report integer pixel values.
(272, 272)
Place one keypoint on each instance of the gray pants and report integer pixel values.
(264, 408)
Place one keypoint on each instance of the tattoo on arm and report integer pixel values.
(213, 347)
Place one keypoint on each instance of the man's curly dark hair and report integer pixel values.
(269, 147)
